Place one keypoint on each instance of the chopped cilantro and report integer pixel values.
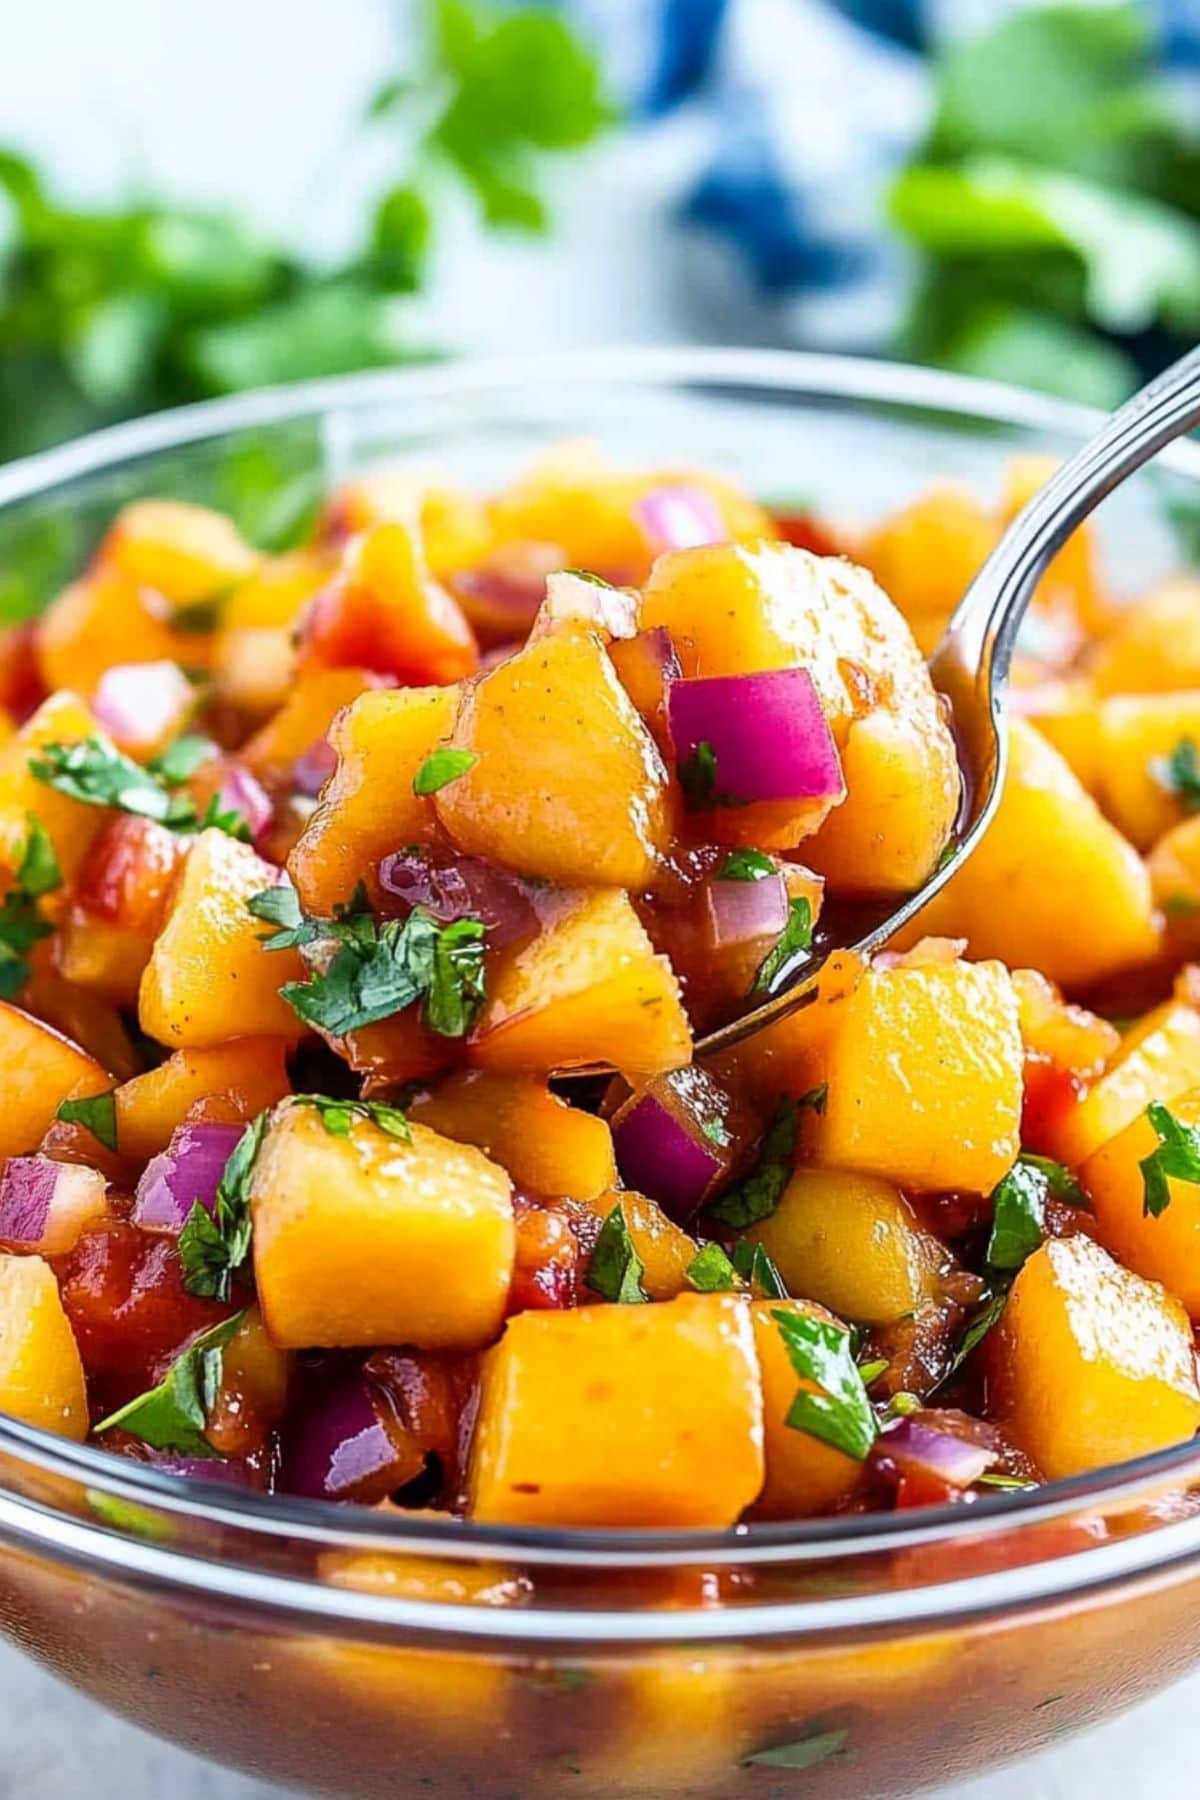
(338, 1116)
(839, 1413)
(280, 906)
(586, 575)
(1018, 1217)
(213, 1246)
(174, 1415)
(180, 760)
(93, 772)
(442, 767)
(747, 865)
(716, 1131)
(795, 936)
(711, 1272)
(615, 1269)
(98, 775)
(1180, 906)
(980, 1323)
(1179, 773)
(1059, 1180)
(227, 819)
(97, 1113)
(871, 1371)
(757, 1194)
(804, 1753)
(378, 970)
(755, 1266)
(1005, 1482)
(21, 923)
(1176, 1157)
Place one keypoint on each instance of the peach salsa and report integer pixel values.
(364, 907)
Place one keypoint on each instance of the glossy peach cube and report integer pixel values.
(1093, 1364)
(621, 1416)
(367, 1239)
(41, 1376)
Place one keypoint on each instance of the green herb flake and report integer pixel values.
(757, 1194)
(174, 1415)
(97, 1113)
(871, 1371)
(1018, 1218)
(180, 760)
(615, 1269)
(227, 819)
(982, 1321)
(21, 923)
(127, 1516)
(338, 1116)
(795, 937)
(747, 865)
(804, 1753)
(1004, 1483)
(1177, 1157)
(442, 767)
(96, 774)
(214, 1246)
(755, 1266)
(716, 1131)
(280, 906)
(698, 776)
(839, 1413)
(586, 575)
(377, 970)
(711, 1272)
(1179, 773)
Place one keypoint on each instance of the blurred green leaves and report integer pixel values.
(1055, 206)
(109, 313)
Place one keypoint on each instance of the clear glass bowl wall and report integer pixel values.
(318, 1647)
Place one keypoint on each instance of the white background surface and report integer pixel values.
(253, 98)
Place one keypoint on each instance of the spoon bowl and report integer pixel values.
(970, 666)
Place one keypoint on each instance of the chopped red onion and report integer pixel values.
(679, 516)
(922, 1450)
(242, 793)
(139, 703)
(670, 1141)
(189, 1169)
(467, 887)
(573, 596)
(767, 732)
(228, 1471)
(745, 912)
(313, 769)
(45, 1205)
(338, 1447)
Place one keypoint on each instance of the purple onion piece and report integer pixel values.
(26, 1192)
(572, 596)
(679, 516)
(187, 1171)
(139, 702)
(917, 1447)
(745, 912)
(313, 769)
(663, 1157)
(468, 887)
(338, 1447)
(229, 1471)
(768, 733)
(242, 793)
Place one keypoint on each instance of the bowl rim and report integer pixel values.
(326, 1526)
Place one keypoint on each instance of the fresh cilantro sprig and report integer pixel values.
(95, 773)
(442, 767)
(1176, 1157)
(180, 760)
(701, 783)
(214, 1246)
(795, 937)
(377, 970)
(338, 1116)
(615, 1270)
(175, 1414)
(1179, 773)
(839, 1413)
(21, 922)
(757, 1194)
(97, 1113)
(803, 1753)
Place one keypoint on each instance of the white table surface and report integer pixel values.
(80, 78)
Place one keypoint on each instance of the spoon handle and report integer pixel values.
(983, 631)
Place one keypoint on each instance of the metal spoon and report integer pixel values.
(970, 666)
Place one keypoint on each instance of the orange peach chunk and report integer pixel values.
(547, 1146)
(41, 1376)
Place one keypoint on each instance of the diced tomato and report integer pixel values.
(122, 1289)
(807, 532)
(1050, 1094)
(21, 685)
(128, 871)
(547, 1264)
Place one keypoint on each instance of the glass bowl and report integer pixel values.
(361, 1655)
